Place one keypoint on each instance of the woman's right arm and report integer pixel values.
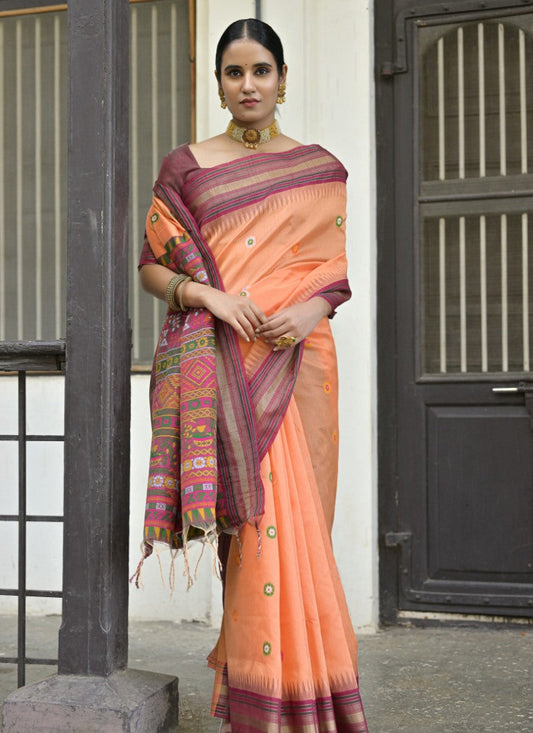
(242, 314)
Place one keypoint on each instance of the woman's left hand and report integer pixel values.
(294, 322)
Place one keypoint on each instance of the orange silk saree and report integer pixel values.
(269, 227)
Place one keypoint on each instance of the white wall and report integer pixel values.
(329, 52)
(328, 46)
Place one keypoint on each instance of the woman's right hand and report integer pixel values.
(239, 311)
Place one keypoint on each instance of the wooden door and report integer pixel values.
(455, 321)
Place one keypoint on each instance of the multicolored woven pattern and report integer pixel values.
(183, 466)
(340, 710)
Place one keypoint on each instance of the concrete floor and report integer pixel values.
(422, 680)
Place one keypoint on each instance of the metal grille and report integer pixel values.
(160, 120)
(23, 358)
(475, 197)
(32, 176)
(33, 160)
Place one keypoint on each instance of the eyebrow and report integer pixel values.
(237, 66)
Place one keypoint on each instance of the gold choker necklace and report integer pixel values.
(251, 137)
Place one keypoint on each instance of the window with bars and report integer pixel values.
(33, 109)
(476, 196)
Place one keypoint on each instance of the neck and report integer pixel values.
(252, 137)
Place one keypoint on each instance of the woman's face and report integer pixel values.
(249, 79)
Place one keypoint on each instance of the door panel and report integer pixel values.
(480, 468)
(456, 508)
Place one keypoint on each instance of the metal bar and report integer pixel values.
(38, 182)
(481, 196)
(19, 176)
(258, 9)
(440, 72)
(134, 164)
(36, 660)
(173, 76)
(501, 90)
(525, 292)
(57, 176)
(36, 438)
(504, 293)
(461, 101)
(21, 620)
(523, 99)
(481, 99)
(31, 518)
(442, 293)
(462, 291)
(192, 59)
(36, 9)
(155, 91)
(2, 195)
(483, 290)
(155, 155)
(32, 593)
(28, 660)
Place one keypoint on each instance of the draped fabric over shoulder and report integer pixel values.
(245, 439)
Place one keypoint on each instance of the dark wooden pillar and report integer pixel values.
(94, 690)
(93, 637)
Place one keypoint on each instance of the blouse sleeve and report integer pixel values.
(174, 169)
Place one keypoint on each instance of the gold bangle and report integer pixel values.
(170, 291)
(179, 292)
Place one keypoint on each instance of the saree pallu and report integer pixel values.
(286, 659)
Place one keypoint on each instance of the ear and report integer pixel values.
(283, 77)
(217, 77)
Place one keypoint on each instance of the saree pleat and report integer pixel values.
(271, 227)
(287, 656)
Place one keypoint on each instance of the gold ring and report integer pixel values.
(284, 342)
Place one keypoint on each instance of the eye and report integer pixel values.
(233, 73)
(262, 70)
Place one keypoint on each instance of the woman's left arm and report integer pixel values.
(296, 321)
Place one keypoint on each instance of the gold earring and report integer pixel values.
(222, 98)
(281, 93)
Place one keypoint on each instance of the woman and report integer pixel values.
(245, 242)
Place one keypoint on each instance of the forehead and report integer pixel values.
(245, 52)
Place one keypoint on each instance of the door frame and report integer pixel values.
(391, 38)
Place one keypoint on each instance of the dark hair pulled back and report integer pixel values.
(255, 30)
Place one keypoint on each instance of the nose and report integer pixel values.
(248, 85)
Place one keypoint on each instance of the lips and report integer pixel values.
(250, 102)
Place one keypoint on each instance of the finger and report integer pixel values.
(275, 333)
(274, 323)
(239, 330)
(258, 313)
(249, 320)
(252, 318)
(247, 326)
